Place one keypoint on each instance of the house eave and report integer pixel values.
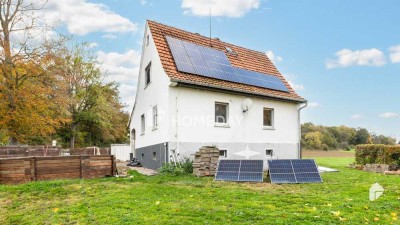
(192, 84)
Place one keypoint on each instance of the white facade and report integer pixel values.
(185, 120)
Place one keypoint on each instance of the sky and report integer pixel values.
(342, 56)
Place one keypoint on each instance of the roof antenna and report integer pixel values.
(210, 26)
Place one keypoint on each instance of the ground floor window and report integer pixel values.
(223, 153)
(268, 118)
(154, 155)
(221, 113)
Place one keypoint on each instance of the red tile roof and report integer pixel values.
(245, 58)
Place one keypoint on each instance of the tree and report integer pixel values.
(96, 115)
(362, 137)
(313, 140)
(28, 107)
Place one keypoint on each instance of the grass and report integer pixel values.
(342, 198)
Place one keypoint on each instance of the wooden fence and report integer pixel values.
(18, 151)
(21, 170)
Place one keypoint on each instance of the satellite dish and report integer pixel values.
(247, 104)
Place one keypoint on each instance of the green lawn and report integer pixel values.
(342, 198)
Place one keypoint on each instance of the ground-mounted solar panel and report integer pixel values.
(209, 62)
(240, 170)
(293, 171)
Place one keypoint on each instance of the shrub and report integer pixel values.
(382, 154)
(184, 167)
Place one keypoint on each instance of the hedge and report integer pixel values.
(379, 154)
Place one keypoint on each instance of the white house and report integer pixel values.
(177, 112)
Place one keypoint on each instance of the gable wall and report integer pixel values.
(156, 93)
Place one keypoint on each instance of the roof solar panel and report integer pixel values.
(240, 170)
(209, 62)
(293, 171)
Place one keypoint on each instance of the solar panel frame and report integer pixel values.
(293, 171)
(215, 64)
(240, 170)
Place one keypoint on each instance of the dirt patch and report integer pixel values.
(327, 154)
(123, 169)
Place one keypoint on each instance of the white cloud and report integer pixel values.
(143, 2)
(228, 8)
(296, 87)
(389, 115)
(124, 69)
(313, 104)
(109, 36)
(82, 17)
(366, 57)
(272, 57)
(395, 54)
(357, 116)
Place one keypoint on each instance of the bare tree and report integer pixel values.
(24, 53)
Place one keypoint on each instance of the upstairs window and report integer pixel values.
(221, 113)
(147, 40)
(143, 124)
(268, 118)
(155, 117)
(148, 74)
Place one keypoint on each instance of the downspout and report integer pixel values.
(300, 152)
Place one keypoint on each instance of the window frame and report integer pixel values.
(155, 117)
(143, 124)
(269, 155)
(155, 156)
(225, 153)
(219, 124)
(147, 79)
(272, 126)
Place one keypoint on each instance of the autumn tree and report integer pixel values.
(93, 105)
(28, 105)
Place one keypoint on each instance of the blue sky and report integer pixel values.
(342, 56)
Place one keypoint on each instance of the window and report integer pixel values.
(268, 118)
(154, 155)
(269, 152)
(143, 124)
(142, 158)
(147, 40)
(221, 113)
(223, 153)
(147, 74)
(155, 117)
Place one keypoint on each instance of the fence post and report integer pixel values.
(81, 167)
(33, 169)
(113, 166)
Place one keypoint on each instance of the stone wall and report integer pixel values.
(206, 161)
(378, 168)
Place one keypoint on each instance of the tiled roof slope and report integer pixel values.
(245, 58)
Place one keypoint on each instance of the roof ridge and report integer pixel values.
(213, 39)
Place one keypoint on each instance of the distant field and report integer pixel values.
(331, 153)
(342, 198)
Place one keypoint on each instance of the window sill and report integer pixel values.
(154, 128)
(224, 125)
(146, 85)
(268, 128)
